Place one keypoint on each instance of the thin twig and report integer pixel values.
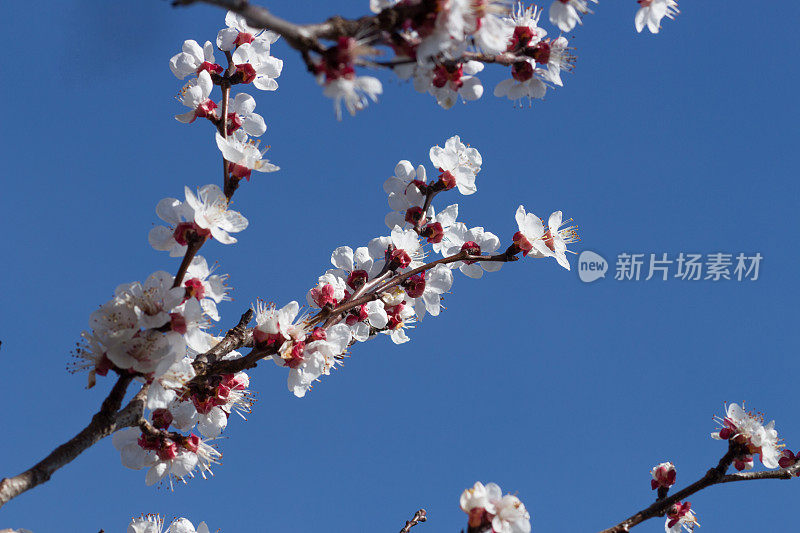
(419, 517)
(714, 476)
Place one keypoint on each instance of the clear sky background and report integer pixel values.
(562, 392)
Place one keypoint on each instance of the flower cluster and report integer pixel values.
(748, 429)
(442, 46)
(249, 62)
(143, 330)
(153, 523)
(489, 510)
(386, 286)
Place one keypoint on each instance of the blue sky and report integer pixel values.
(562, 392)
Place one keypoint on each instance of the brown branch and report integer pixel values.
(419, 517)
(104, 422)
(237, 337)
(714, 476)
(305, 38)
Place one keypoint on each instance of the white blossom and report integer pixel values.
(457, 162)
(195, 96)
(354, 91)
(652, 12)
(458, 238)
(239, 32)
(192, 58)
(243, 155)
(210, 210)
(567, 13)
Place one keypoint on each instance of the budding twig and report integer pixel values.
(419, 517)
(714, 476)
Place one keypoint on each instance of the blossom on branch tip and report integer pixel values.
(243, 155)
(238, 32)
(458, 165)
(749, 430)
(193, 59)
(651, 12)
(663, 475)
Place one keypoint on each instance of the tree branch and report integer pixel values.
(714, 476)
(104, 422)
(376, 28)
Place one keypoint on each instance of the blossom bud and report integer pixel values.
(319, 334)
(243, 38)
(663, 475)
(148, 442)
(447, 179)
(212, 68)
(415, 285)
(433, 233)
(787, 459)
(471, 248)
(246, 72)
(414, 215)
(187, 232)
(522, 71)
(323, 296)
(399, 258)
(541, 54)
(194, 288)
(743, 462)
(234, 122)
(191, 443)
(357, 278)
